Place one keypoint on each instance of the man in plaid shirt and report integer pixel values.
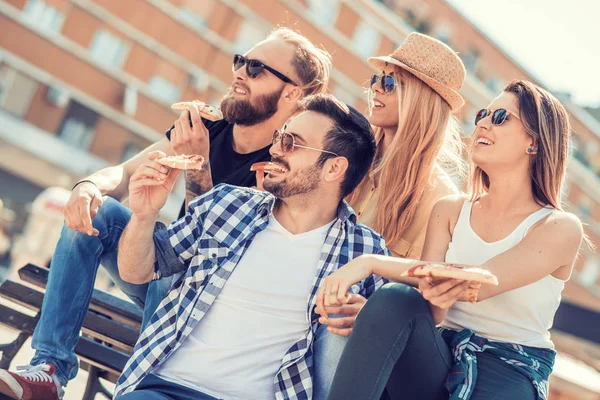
(239, 321)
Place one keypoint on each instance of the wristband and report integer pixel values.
(83, 181)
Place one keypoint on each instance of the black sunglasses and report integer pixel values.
(498, 116)
(388, 82)
(255, 67)
(288, 143)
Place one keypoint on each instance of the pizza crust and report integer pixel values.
(442, 272)
(205, 110)
(185, 162)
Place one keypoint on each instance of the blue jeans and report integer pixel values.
(154, 388)
(327, 350)
(396, 352)
(71, 283)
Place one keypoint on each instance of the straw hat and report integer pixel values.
(432, 62)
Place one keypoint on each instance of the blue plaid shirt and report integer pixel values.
(207, 243)
(533, 362)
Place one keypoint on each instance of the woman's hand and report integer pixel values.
(334, 290)
(442, 295)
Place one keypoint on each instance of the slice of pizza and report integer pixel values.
(192, 161)
(442, 272)
(206, 111)
(266, 166)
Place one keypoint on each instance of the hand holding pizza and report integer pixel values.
(190, 136)
(150, 186)
(82, 207)
(445, 293)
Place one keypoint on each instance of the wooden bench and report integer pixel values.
(109, 331)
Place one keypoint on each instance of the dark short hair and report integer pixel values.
(351, 136)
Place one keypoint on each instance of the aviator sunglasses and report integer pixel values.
(288, 143)
(388, 82)
(498, 116)
(255, 67)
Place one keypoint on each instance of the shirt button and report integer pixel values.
(214, 255)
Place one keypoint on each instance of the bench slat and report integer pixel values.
(94, 353)
(118, 309)
(94, 325)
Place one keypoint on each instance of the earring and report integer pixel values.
(529, 150)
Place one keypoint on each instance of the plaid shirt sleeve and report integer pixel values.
(374, 282)
(177, 244)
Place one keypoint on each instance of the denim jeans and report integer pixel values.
(154, 388)
(396, 352)
(71, 282)
(327, 350)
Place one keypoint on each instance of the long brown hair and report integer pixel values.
(427, 135)
(547, 122)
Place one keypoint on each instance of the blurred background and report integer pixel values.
(88, 83)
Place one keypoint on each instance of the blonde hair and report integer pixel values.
(428, 135)
(312, 64)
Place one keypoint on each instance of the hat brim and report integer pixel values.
(452, 97)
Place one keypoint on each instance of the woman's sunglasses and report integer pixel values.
(255, 67)
(288, 143)
(388, 82)
(498, 116)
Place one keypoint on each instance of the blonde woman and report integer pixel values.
(412, 97)
(511, 224)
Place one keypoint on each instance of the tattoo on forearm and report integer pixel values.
(197, 182)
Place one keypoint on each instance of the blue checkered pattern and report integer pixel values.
(533, 362)
(208, 243)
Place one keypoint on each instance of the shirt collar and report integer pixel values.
(344, 211)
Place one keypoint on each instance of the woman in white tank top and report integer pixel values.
(511, 224)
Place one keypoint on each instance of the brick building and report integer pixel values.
(88, 83)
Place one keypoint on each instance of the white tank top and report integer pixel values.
(522, 316)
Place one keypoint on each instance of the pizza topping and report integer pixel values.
(206, 111)
(183, 161)
(268, 167)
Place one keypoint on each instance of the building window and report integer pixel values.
(471, 59)
(78, 126)
(43, 15)
(584, 209)
(590, 272)
(494, 84)
(164, 90)
(343, 95)
(130, 150)
(248, 35)
(324, 12)
(366, 39)
(7, 76)
(16, 91)
(197, 13)
(108, 49)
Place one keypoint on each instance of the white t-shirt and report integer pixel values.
(237, 348)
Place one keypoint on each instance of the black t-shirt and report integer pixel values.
(226, 165)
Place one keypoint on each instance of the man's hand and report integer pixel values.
(186, 139)
(342, 325)
(150, 186)
(334, 290)
(82, 207)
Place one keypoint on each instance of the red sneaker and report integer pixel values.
(31, 383)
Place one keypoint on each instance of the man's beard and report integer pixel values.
(301, 182)
(241, 112)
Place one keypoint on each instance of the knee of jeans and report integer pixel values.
(394, 299)
(112, 212)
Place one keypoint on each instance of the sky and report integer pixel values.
(558, 41)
